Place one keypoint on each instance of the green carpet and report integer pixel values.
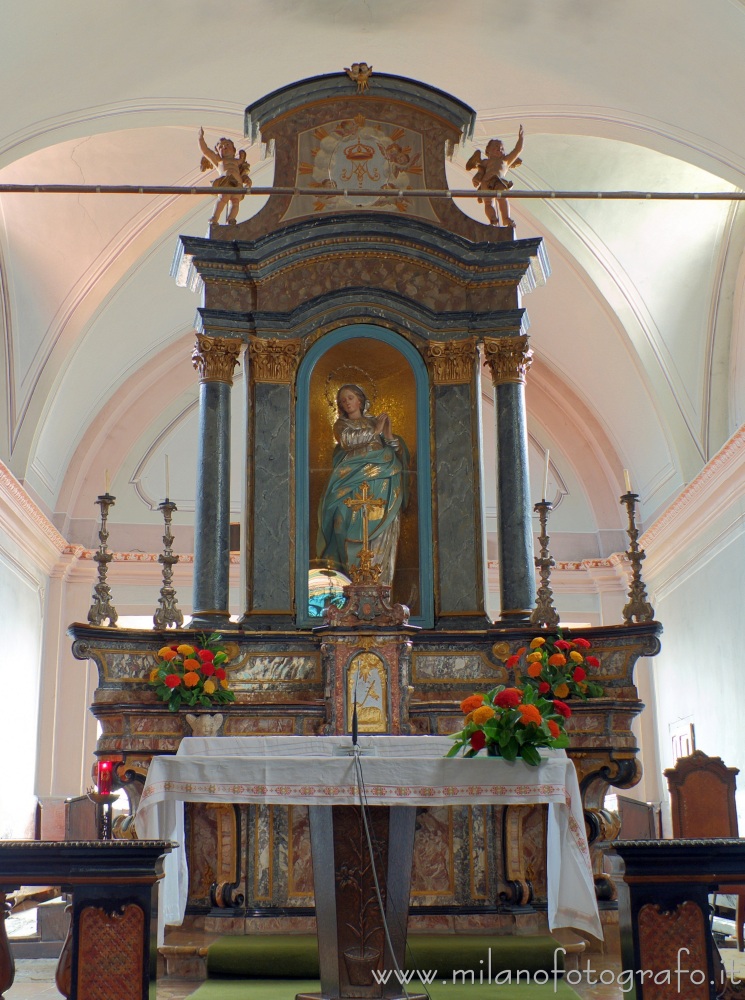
(295, 956)
(286, 989)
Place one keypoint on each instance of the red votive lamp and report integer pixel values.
(105, 776)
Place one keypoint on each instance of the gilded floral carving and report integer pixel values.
(508, 358)
(215, 358)
(451, 362)
(273, 360)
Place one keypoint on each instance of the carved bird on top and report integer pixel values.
(360, 74)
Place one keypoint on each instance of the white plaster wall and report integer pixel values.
(21, 612)
(698, 675)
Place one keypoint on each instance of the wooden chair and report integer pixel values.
(702, 800)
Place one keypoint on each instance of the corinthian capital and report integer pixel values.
(451, 362)
(508, 358)
(273, 360)
(215, 358)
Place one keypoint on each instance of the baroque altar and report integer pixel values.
(366, 318)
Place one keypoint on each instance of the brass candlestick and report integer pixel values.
(102, 609)
(544, 612)
(106, 801)
(168, 613)
(638, 606)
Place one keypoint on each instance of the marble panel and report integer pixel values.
(263, 851)
(259, 726)
(456, 667)
(255, 668)
(126, 665)
(299, 866)
(270, 559)
(433, 868)
(458, 536)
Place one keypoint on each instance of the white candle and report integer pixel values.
(545, 476)
(106, 481)
(627, 480)
(168, 480)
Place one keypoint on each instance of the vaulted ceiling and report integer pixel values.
(639, 334)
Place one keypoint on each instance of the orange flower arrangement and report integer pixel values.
(510, 723)
(192, 675)
(558, 668)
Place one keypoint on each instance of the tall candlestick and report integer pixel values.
(627, 480)
(545, 476)
(106, 481)
(168, 479)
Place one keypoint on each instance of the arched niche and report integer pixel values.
(398, 384)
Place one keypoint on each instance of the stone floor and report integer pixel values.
(599, 978)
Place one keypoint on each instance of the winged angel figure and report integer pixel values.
(234, 173)
(491, 171)
(360, 73)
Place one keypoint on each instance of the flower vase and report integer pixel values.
(492, 750)
(360, 965)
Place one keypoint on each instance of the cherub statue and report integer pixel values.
(234, 173)
(360, 73)
(490, 175)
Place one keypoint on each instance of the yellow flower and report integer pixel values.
(166, 653)
(561, 690)
(576, 657)
(538, 641)
(209, 687)
(184, 650)
(224, 682)
(483, 714)
(153, 675)
(534, 657)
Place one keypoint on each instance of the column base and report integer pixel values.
(459, 622)
(515, 617)
(213, 620)
(268, 621)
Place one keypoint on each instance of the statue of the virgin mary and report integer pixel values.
(366, 451)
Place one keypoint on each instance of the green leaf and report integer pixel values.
(530, 755)
(454, 750)
(510, 750)
(560, 742)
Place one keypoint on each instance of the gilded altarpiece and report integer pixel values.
(406, 298)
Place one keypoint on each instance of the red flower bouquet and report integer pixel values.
(509, 722)
(192, 675)
(557, 668)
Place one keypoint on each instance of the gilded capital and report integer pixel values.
(273, 360)
(215, 358)
(508, 358)
(451, 362)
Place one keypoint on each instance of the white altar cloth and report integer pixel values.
(405, 770)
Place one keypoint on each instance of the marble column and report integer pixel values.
(509, 358)
(215, 359)
(270, 512)
(459, 587)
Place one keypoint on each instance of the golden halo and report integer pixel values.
(349, 375)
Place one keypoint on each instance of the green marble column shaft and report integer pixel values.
(509, 358)
(215, 359)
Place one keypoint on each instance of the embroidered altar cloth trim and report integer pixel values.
(408, 770)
